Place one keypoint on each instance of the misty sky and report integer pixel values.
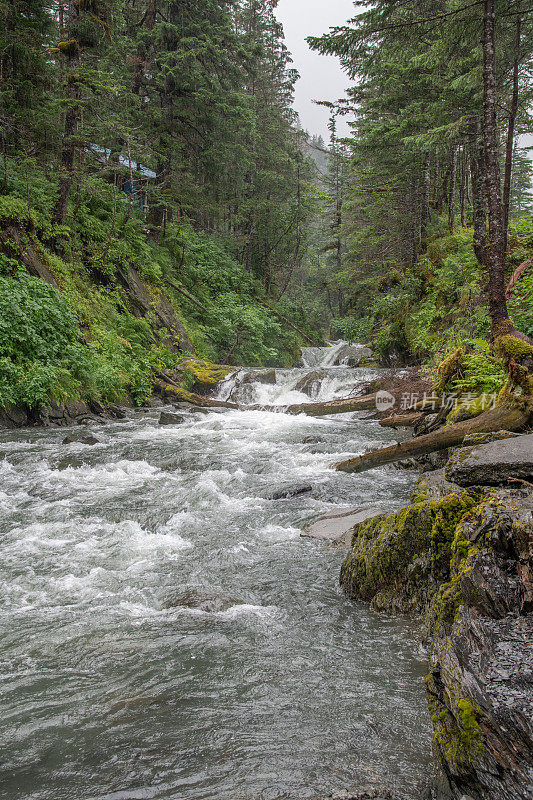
(321, 76)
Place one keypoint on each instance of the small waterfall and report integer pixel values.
(322, 356)
(327, 366)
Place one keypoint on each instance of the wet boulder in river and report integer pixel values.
(80, 438)
(191, 598)
(352, 354)
(267, 376)
(337, 526)
(288, 492)
(309, 383)
(167, 418)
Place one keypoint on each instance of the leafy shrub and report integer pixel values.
(40, 354)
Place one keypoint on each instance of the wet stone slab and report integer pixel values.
(336, 526)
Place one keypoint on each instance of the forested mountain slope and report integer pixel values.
(152, 172)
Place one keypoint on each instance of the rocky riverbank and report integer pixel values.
(461, 557)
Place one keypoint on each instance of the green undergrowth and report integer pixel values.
(89, 340)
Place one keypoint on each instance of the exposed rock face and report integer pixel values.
(480, 685)
(151, 301)
(13, 417)
(27, 254)
(493, 463)
(463, 560)
(336, 527)
(74, 412)
(310, 383)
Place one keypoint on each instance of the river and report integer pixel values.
(274, 686)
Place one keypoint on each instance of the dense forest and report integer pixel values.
(155, 173)
(435, 207)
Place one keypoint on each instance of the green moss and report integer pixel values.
(469, 409)
(471, 736)
(420, 493)
(448, 369)
(396, 557)
(509, 346)
(456, 730)
(202, 375)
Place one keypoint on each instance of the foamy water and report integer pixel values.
(110, 690)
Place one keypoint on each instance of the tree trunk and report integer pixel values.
(463, 188)
(479, 213)
(68, 149)
(425, 210)
(451, 196)
(509, 146)
(495, 248)
(495, 419)
(402, 420)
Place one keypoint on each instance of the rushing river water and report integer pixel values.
(113, 689)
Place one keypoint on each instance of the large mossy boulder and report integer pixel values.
(203, 376)
(397, 560)
(464, 562)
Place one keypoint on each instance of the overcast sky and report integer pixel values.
(321, 76)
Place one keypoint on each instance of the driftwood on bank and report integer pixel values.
(402, 420)
(494, 419)
(365, 403)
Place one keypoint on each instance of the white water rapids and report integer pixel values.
(115, 688)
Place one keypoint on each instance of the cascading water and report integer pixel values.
(168, 634)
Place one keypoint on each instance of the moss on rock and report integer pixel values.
(203, 376)
(398, 559)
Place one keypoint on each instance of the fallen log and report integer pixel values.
(402, 420)
(344, 405)
(513, 418)
(288, 322)
(366, 402)
(517, 274)
(186, 294)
